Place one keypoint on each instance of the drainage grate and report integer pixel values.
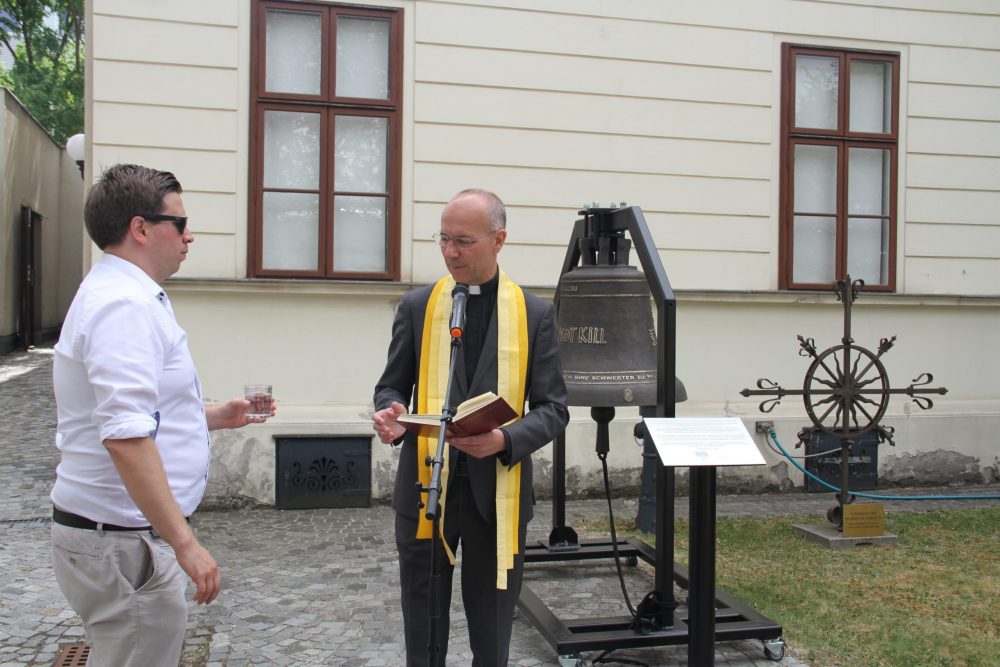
(72, 655)
(319, 472)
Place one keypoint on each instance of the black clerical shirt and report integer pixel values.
(479, 310)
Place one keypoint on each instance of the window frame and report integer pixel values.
(328, 106)
(843, 139)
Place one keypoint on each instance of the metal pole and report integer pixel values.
(701, 561)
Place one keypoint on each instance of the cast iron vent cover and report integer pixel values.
(321, 472)
(862, 471)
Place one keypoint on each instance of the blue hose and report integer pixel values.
(774, 437)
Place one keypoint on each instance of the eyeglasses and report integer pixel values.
(180, 221)
(460, 242)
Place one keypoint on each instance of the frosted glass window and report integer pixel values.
(838, 172)
(868, 250)
(294, 52)
(359, 233)
(362, 58)
(817, 83)
(291, 231)
(291, 150)
(871, 96)
(815, 250)
(868, 181)
(360, 154)
(815, 179)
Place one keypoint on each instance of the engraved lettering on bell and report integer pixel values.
(583, 335)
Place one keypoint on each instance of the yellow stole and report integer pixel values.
(512, 369)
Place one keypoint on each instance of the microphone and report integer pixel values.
(459, 296)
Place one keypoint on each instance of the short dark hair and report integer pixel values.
(124, 191)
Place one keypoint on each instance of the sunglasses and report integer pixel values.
(180, 221)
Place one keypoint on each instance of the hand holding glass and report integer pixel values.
(259, 396)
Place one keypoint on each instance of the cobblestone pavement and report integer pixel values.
(305, 587)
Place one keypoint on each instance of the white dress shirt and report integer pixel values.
(122, 370)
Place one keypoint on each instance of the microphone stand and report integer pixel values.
(433, 490)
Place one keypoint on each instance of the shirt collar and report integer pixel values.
(488, 288)
(132, 271)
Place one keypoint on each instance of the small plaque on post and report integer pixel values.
(865, 520)
(703, 441)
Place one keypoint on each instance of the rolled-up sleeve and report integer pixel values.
(123, 351)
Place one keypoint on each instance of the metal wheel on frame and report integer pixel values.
(846, 380)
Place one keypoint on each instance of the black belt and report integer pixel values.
(76, 521)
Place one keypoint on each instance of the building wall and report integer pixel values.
(36, 172)
(670, 106)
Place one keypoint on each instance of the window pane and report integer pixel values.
(868, 250)
(291, 231)
(815, 179)
(816, 92)
(360, 154)
(294, 52)
(814, 253)
(868, 181)
(362, 58)
(359, 234)
(871, 96)
(291, 150)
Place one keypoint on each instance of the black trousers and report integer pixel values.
(489, 612)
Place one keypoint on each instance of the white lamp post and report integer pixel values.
(75, 149)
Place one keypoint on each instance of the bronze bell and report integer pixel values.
(605, 327)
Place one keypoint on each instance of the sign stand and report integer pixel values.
(702, 444)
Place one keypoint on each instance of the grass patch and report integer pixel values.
(930, 600)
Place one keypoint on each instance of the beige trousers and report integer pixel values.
(128, 589)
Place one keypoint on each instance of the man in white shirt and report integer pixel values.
(132, 431)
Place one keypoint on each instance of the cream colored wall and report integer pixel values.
(71, 232)
(953, 171)
(323, 348)
(8, 243)
(37, 173)
(169, 90)
(674, 106)
(670, 106)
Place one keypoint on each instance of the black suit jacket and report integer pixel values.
(545, 395)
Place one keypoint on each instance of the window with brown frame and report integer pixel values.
(839, 145)
(325, 141)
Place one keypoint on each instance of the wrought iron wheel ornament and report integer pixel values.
(846, 391)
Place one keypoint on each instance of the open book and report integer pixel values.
(477, 415)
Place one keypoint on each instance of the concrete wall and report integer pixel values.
(323, 349)
(36, 172)
(673, 106)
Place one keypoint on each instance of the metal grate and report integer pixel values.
(862, 472)
(321, 472)
(72, 655)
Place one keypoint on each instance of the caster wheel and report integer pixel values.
(774, 649)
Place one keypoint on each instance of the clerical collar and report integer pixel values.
(489, 287)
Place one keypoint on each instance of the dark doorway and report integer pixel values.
(29, 322)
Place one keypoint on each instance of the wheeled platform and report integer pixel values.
(734, 620)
